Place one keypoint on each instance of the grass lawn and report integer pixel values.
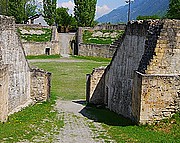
(122, 130)
(69, 79)
(43, 57)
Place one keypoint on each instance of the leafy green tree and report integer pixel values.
(22, 9)
(85, 12)
(64, 19)
(30, 8)
(62, 16)
(3, 7)
(16, 9)
(49, 7)
(174, 9)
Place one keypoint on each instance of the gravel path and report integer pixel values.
(77, 128)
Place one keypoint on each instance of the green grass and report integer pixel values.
(35, 37)
(69, 79)
(89, 39)
(34, 122)
(123, 130)
(97, 59)
(43, 57)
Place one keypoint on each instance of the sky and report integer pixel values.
(103, 6)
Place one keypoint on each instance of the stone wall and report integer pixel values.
(119, 77)
(96, 50)
(39, 48)
(96, 86)
(4, 79)
(18, 68)
(31, 26)
(110, 27)
(15, 79)
(40, 85)
(157, 97)
(152, 49)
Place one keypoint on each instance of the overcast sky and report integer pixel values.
(103, 6)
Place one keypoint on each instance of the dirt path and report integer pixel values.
(77, 128)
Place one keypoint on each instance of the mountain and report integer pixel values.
(138, 7)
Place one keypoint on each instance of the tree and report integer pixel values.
(30, 8)
(22, 9)
(62, 17)
(16, 9)
(3, 7)
(49, 7)
(85, 12)
(174, 9)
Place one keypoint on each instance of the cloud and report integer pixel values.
(70, 5)
(101, 10)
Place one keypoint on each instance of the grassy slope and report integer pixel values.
(37, 38)
(88, 39)
(43, 57)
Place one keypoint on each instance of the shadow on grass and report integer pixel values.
(102, 115)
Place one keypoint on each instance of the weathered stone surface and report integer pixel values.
(96, 86)
(98, 50)
(39, 48)
(152, 93)
(4, 79)
(40, 85)
(14, 71)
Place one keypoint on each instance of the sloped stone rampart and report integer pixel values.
(142, 80)
(15, 74)
(18, 68)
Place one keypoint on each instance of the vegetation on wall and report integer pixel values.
(37, 37)
(174, 9)
(148, 17)
(88, 37)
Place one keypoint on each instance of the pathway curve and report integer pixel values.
(77, 128)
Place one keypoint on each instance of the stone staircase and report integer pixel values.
(116, 43)
(150, 45)
(166, 57)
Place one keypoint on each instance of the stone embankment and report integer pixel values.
(142, 80)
